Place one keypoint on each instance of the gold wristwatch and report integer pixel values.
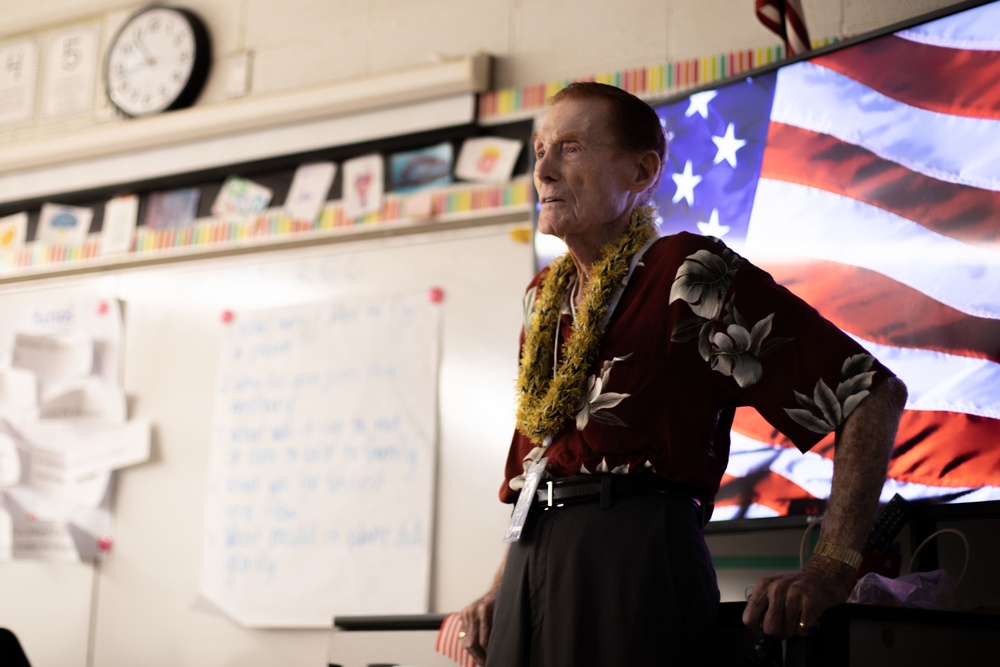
(836, 552)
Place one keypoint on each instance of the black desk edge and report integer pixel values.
(401, 622)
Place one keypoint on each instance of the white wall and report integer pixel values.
(298, 43)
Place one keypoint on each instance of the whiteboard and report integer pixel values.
(141, 605)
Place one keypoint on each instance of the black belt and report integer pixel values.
(605, 487)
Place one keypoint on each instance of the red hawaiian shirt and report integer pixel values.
(697, 332)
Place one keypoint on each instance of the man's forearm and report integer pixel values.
(861, 459)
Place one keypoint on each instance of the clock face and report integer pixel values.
(158, 61)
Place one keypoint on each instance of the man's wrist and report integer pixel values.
(837, 552)
(839, 575)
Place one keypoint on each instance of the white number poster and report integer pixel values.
(18, 73)
(70, 73)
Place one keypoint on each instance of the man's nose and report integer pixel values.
(546, 168)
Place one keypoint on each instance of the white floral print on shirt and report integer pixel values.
(595, 403)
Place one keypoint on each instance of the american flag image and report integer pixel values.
(449, 644)
(867, 181)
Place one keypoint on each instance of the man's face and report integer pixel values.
(582, 175)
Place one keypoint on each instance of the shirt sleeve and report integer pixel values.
(771, 350)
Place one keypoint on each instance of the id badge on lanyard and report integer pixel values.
(520, 514)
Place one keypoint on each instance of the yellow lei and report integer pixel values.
(547, 402)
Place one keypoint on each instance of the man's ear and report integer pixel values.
(647, 171)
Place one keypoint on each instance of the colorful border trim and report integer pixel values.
(651, 81)
(40, 254)
(421, 208)
(431, 206)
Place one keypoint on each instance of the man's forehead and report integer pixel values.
(574, 119)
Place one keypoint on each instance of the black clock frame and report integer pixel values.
(199, 70)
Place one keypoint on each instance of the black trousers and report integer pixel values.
(630, 585)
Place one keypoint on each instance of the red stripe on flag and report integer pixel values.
(879, 309)
(770, 490)
(952, 81)
(795, 24)
(448, 643)
(785, 18)
(933, 448)
(818, 160)
(769, 13)
(946, 449)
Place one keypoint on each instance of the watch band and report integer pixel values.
(837, 552)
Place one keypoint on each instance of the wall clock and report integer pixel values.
(158, 61)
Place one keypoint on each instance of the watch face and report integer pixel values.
(158, 61)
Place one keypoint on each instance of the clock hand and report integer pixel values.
(150, 60)
(125, 73)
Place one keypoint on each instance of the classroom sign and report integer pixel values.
(321, 472)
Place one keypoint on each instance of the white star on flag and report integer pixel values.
(727, 146)
(699, 103)
(712, 227)
(686, 182)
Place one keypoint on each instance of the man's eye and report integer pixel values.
(539, 155)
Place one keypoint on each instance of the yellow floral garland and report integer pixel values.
(546, 402)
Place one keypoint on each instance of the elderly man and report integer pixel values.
(636, 351)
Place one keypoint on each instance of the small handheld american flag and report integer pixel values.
(448, 643)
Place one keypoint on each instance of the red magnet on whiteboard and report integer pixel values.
(102, 308)
(435, 295)
(104, 543)
(227, 316)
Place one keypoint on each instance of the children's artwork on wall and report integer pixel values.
(309, 190)
(172, 208)
(240, 198)
(64, 225)
(487, 159)
(118, 229)
(65, 427)
(364, 184)
(422, 168)
(13, 230)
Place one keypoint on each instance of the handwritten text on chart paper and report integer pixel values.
(322, 460)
